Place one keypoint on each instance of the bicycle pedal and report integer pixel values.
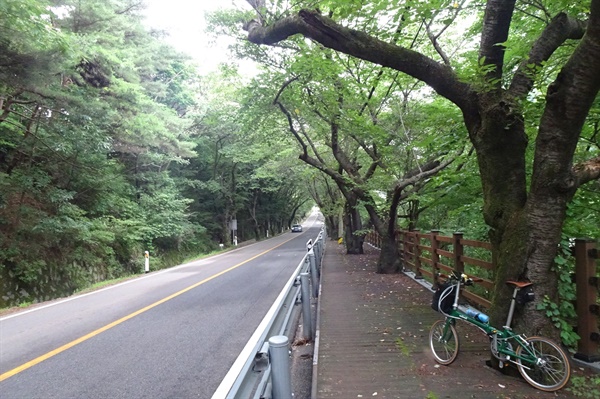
(501, 364)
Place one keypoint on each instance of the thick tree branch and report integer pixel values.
(371, 152)
(293, 130)
(586, 172)
(569, 99)
(429, 169)
(561, 28)
(496, 24)
(304, 156)
(358, 44)
(312, 145)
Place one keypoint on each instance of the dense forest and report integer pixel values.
(473, 116)
(111, 144)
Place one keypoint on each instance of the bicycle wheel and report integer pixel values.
(443, 341)
(550, 370)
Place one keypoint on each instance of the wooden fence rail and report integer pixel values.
(429, 254)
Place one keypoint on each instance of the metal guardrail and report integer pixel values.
(251, 373)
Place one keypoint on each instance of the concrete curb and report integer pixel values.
(315, 367)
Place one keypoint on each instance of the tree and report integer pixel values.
(243, 171)
(328, 198)
(90, 128)
(525, 218)
(339, 111)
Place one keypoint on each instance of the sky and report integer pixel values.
(184, 21)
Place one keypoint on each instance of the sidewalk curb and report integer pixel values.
(315, 367)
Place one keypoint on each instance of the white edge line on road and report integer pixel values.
(255, 340)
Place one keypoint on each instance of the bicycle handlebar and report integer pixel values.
(462, 277)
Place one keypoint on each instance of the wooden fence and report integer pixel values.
(428, 254)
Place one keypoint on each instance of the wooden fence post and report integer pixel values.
(417, 254)
(406, 249)
(400, 246)
(435, 257)
(457, 249)
(587, 283)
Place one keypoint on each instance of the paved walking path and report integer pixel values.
(373, 340)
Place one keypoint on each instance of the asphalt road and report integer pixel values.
(168, 334)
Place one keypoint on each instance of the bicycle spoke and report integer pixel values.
(549, 370)
(443, 342)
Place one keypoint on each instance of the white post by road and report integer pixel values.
(147, 262)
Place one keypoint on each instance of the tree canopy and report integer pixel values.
(532, 78)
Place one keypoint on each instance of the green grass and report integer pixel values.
(402, 347)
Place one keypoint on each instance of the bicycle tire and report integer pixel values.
(552, 369)
(444, 345)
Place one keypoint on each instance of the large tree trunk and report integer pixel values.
(352, 224)
(526, 236)
(524, 230)
(498, 135)
(555, 179)
(331, 222)
(389, 258)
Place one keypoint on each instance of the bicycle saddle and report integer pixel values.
(520, 284)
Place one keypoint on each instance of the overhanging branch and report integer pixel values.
(561, 28)
(587, 171)
(358, 44)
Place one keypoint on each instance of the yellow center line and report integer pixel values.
(71, 344)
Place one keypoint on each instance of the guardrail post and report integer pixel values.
(306, 313)
(586, 280)
(314, 273)
(279, 355)
(318, 248)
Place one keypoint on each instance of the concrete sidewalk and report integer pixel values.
(372, 340)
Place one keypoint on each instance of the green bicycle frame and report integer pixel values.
(502, 336)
